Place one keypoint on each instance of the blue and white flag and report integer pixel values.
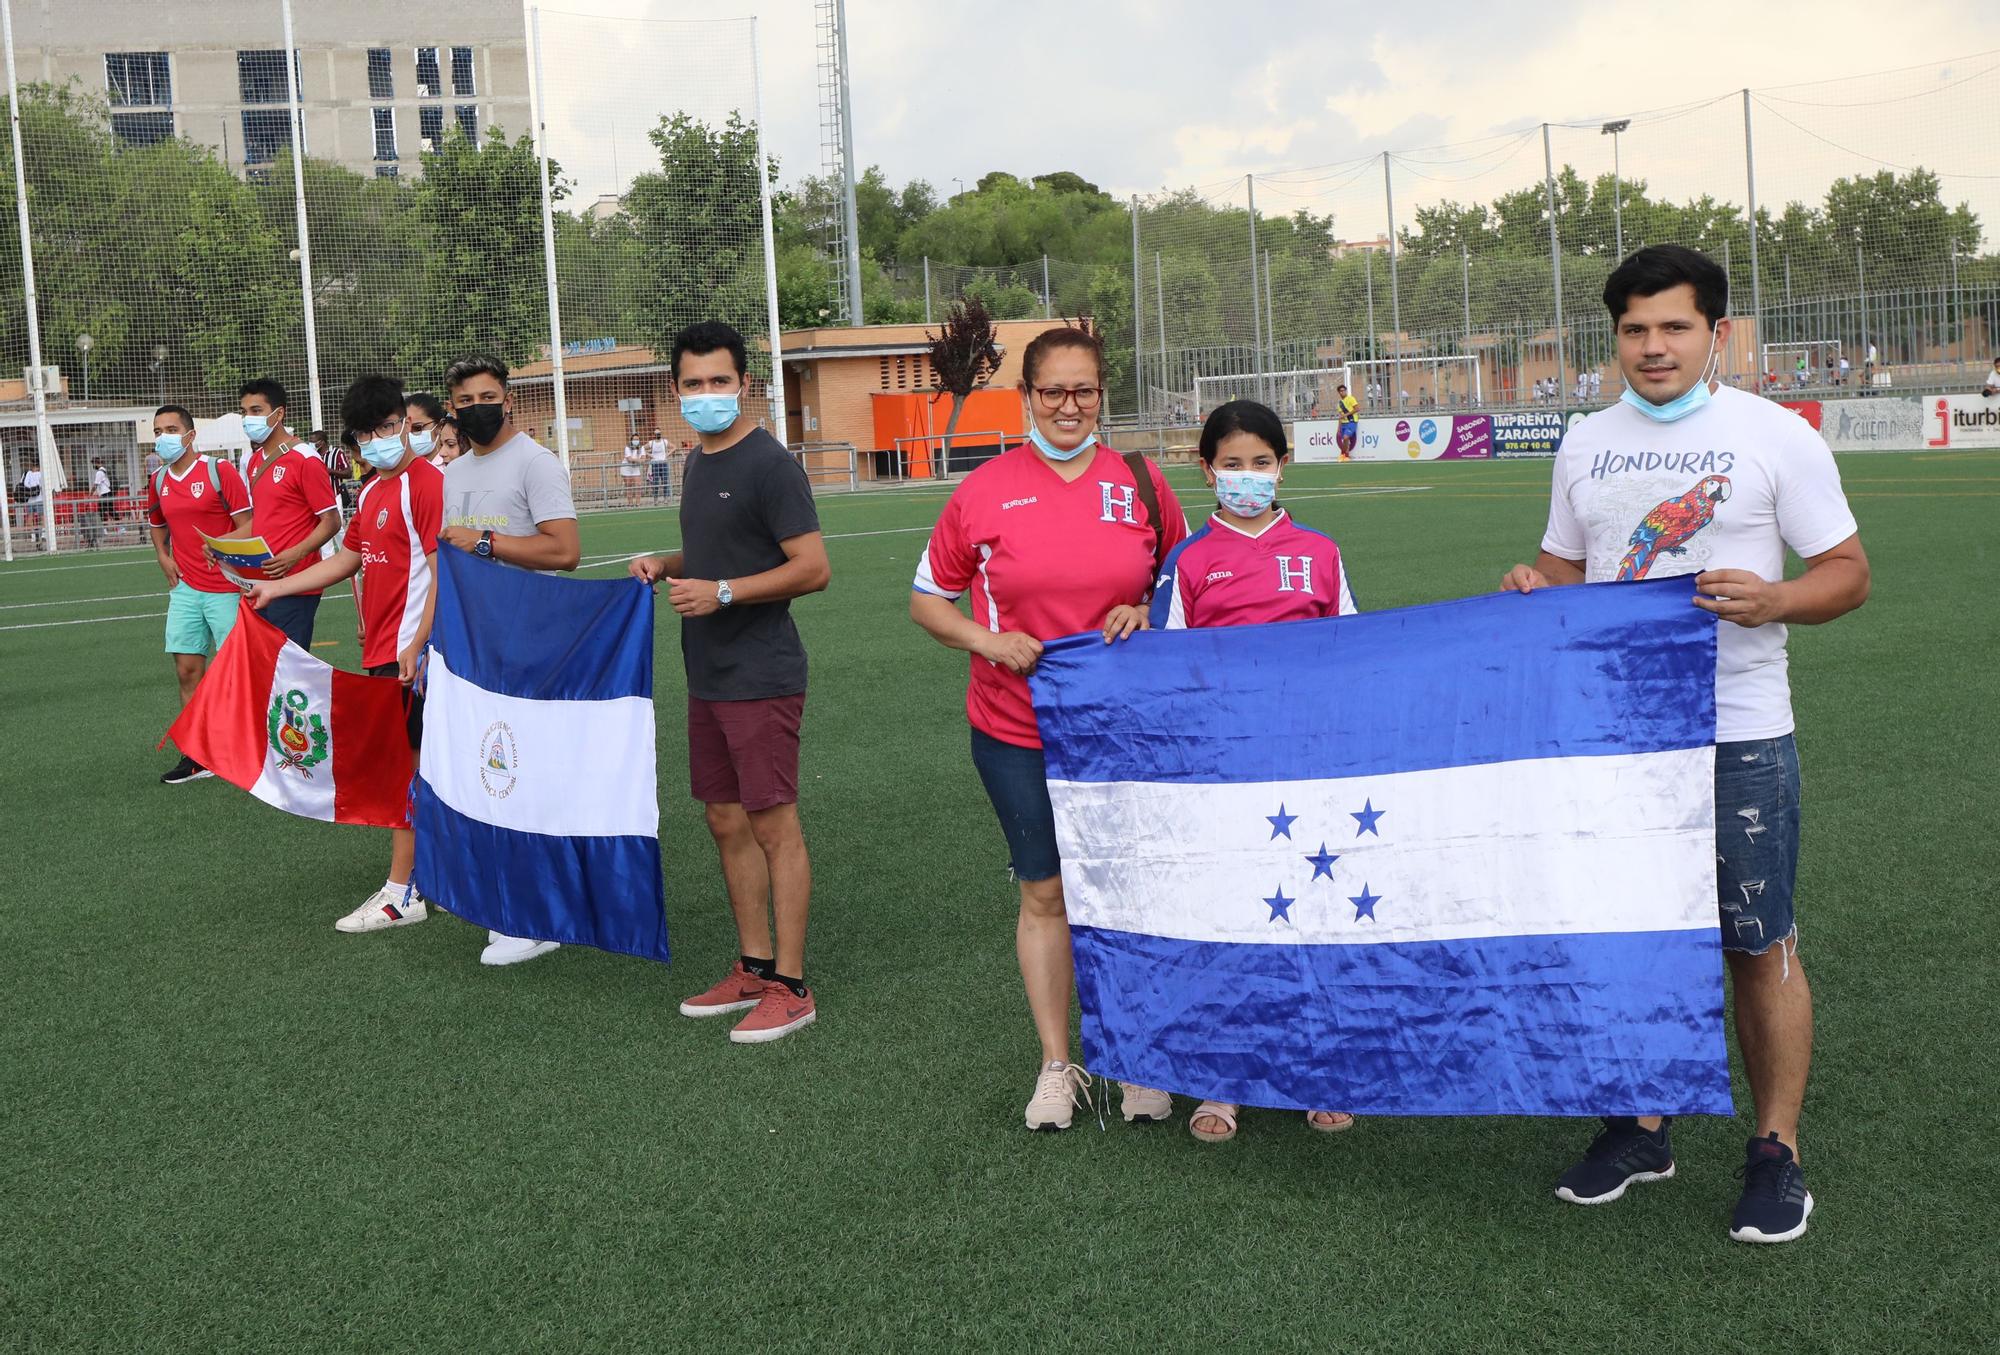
(1449, 860)
(537, 802)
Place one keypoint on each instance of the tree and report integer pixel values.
(964, 354)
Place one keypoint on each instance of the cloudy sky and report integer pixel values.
(1140, 96)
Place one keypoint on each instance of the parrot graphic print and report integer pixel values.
(1668, 527)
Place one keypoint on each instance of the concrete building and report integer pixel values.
(377, 78)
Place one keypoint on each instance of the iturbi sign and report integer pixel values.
(1963, 421)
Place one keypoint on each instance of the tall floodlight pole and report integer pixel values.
(1750, 171)
(1555, 256)
(1465, 265)
(1861, 281)
(1160, 312)
(1612, 129)
(855, 316)
(1256, 301)
(1138, 327)
(770, 247)
(1368, 274)
(1395, 286)
(45, 439)
(298, 119)
(549, 241)
(1271, 317)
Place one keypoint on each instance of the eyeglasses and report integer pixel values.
(1053, 397)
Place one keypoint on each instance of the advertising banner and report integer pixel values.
(1812, 411)
(1887, 425)
(1527, 433)
(1961, 421)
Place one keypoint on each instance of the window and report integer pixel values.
(385, 134)
(142, 129)
(137, 79)
(429, 84)
(430, 126)
(266, 132)
(260, 76)
(461, 72)
(468, 121)
(381, 79)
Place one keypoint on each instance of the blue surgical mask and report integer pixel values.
(1246, 493)
(170, 447)
(1055, 453)
(422, 440)
(709, 413)
(1682, 405)
(383, 453)
(256, 427)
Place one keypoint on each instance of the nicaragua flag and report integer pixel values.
(298, 733)
(1449, 860)
(537, 803)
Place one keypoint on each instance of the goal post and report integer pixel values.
(1781, 360)
(1304, 393)
(1428, 382)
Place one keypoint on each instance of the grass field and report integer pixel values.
(229, 1128)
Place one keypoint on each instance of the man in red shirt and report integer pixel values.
(392, 543)
(188, 497)
(293, 506)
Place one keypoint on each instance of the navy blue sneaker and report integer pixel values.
(1775, 1203)
(1621, 1155)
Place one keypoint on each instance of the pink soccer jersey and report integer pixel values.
(1223, 576)
(1044, 557)
(395, 527)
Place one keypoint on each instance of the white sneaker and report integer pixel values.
(1058, 1090)
(386, 907)
(504, 949)
(1144, 1105)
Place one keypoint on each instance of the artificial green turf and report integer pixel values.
(230, 1128)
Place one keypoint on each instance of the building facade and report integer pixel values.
(379, 81)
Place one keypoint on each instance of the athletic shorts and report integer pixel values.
(1348, 430)
(1756, 842)
(745, 752)
(413, 705)
(294, 616)
(1016, 781)
(198, 622)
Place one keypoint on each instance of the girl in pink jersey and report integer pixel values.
(1045, 539)
(1249, 564)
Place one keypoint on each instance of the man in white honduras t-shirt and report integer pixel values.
(1686, 475)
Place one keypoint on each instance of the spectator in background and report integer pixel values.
(1596, 385)
(631, 470)
(1846, 370)
(1993, 380)
(100, 489)
(424, 414)
(31, 496)
(1582, 387)
(660, 471)
(449, 443)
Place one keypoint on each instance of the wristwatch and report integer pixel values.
(722, 593)
(484, 550)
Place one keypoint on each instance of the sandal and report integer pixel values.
(1214, 1110)
(1338, 1121)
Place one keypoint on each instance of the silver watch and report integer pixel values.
(722, 593)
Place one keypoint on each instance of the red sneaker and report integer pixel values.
(779, 1014)
(739, 991)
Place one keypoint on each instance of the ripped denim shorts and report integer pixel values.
(1756, 842)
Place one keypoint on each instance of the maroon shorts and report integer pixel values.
(745, 752)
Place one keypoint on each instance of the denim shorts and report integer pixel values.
(1017, 783)
(1756, 842)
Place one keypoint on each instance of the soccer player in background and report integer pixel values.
(392, 544)
(293, 506)
(1350, 424)
(1249, 564)
(191, 496)
(751, 543)
(1686, 475)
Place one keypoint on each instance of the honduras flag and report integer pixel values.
(537, 803)
(1448, 860)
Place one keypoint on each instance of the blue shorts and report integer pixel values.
(1349, 428)
(197, 622)
(294, 616)
(1017, 783)
(1756, 842)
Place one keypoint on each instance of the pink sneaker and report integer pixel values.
(779, 1014)
(738, 992)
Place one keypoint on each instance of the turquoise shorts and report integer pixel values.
(198, 623)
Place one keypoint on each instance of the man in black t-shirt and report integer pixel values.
(750, 543)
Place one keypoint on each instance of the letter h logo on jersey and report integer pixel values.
(1302, 576)
(1118, 501)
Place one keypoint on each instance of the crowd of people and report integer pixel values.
(1056, 536)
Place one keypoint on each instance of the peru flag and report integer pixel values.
(298, 733)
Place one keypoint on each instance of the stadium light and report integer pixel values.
(1612, 129)
(84, 343)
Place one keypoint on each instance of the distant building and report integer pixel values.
(1343, 248)
(379, 80)
(607, 206)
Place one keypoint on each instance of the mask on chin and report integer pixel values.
(1682, 405)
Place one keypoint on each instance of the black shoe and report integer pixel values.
(1775, 1203)
(184, 771)
(1622, 1154)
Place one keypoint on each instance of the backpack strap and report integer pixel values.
(1142, 477)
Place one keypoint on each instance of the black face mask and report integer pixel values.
(481, 423)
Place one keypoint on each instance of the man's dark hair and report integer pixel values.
(272, 391)
(479, 364)
(707, 337)
(1243, 416)
(181, 410)
(371, 402)
(319, 433)
(1656, 268)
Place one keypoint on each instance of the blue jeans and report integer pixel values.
(1016, 781)
(1756, 842)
